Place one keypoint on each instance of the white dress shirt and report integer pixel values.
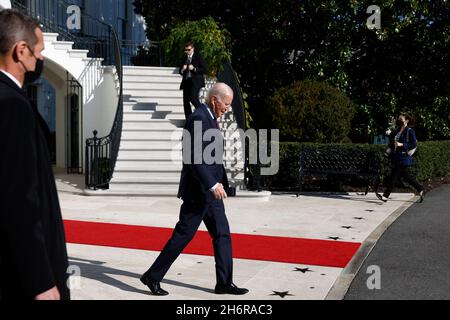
(212, 116)
(9, 75)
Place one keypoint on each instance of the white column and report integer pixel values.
(5, 4)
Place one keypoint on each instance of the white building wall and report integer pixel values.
(5, 4)
(100, 109)
(136, 25)
(100, 94)
(111, 12)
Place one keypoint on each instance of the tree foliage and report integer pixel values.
(306, 111)
(404, 66)
(209, 39)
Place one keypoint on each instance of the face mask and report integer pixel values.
(400, 123)
(32, 76)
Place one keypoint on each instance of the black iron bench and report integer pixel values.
(339, 162)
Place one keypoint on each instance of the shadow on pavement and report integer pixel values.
(72, 183)
(189, 286)
(345, 196)
(95, 270)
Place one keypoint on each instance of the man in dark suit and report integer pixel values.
(33, 255)
(192, 68)
(203, 187)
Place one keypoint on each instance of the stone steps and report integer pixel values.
(150, 160)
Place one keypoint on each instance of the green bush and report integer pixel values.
(430, 161)
(311, 111)
(213, 43)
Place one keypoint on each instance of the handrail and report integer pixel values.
(229, 76)
(106, 149)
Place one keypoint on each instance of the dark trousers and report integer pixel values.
(191, 215)
(401, 171)
(190, 94)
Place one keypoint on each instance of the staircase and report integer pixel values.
(149, 160)
(150, 157)
(88, 71)
(75, 61)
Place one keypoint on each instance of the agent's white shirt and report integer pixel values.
(9, 75)
(210, 113)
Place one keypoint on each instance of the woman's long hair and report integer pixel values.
(408, 117)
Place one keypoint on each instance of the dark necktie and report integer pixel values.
(188, 72)
(217, 123)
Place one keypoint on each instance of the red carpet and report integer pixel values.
(252, 247)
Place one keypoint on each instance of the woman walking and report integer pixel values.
(402, 147)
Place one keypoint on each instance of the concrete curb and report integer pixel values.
(344, 281)
(264, 195)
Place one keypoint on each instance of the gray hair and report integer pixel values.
(14, 27)
(220, 90)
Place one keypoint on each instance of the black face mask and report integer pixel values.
(32, 76)
(400, 123)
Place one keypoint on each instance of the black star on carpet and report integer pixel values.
(305, 270)
(347, 227)
(370, 210)
(334, 238)
(358, 218)
(281, 294)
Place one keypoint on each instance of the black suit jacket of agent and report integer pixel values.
(33, 255)
(197, 179)
(201, 68)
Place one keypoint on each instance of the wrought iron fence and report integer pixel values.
(148, 53)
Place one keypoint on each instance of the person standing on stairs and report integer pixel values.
(192, 68)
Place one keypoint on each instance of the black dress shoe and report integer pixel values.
(231, 289)
(154, 286)
(382, 198)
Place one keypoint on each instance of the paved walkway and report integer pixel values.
(412, 256)
(113, 273)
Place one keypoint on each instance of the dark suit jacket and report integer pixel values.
(409, 140)
(197, 179)
(33, 255)
(201, 68)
